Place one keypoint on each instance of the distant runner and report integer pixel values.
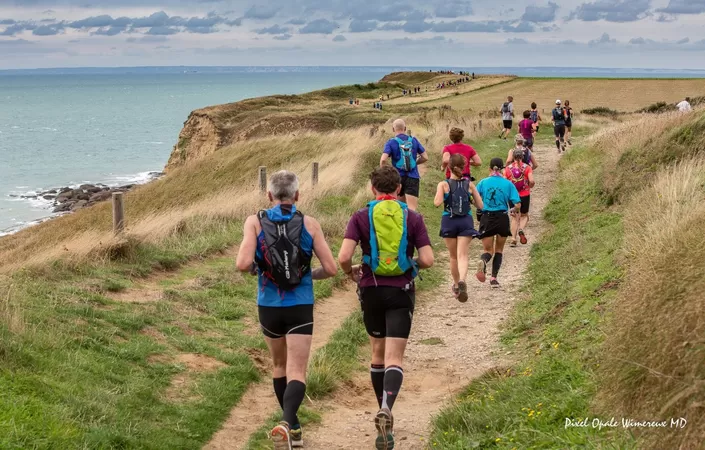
(406, 153)
(558, 119)
(522, 176)
(520, 144)
(498, 195)
(457, 227)
(507, 111)
(568, 122)
(526, 129)
(388, 234)
(684, 106)
(458, 148)
(281, 242)
(535, 117)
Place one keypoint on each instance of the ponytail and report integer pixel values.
(457, 165)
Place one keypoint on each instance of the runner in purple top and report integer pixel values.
(387, 302)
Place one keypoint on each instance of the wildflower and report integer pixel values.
(498, 440)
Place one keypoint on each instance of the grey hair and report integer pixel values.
(399, 125)
(283, 185)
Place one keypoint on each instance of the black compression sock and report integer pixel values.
(377, 376)
(558, 144)
(293, 397)
(393, 378)
(496, 264)
(279, 389)
(486, 257)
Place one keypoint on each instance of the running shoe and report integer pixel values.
(384, 422)
(569, 142)
(462, 292)
(522, 237)
(297, 437)
(455, 290)
(513, 243)
(280, 437)
(481, 271)
(494, 283)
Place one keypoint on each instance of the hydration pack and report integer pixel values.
(388, 239)
(558, 115)
(505, 108)
(516, 176)
(458, 202)
(534, 116)
(527, 157)
(406, 162)
(283, 262)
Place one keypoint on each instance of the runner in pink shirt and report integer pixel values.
(458, 148)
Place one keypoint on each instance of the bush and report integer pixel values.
(600, 111)
(658, 108)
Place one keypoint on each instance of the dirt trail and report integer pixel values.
(466, 337)
(259, 402)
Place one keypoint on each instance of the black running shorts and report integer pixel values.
(525, 203)
(495, 224)
(279, 322)
(569, 123)
(559, 131)
(508, 124)
(387, 311)
(410, 186)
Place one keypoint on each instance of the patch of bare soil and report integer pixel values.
(195, 363)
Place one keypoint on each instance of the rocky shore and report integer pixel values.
(67, 199)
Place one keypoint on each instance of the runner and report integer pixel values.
(386, 285)
(684, 106)
(568, 122)
(526, 129)
(535, 117)
(457, 227)
(457, 147)
(507, 111)
(558, 119)
(522, 176)
(498, 195)
(406, 153)
(284, 297)
(520, 144)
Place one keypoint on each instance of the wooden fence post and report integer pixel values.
(480, 124)
(474, 127)
(262, 179)
(314, 174)
(118, 213)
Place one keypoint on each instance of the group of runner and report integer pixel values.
(279, 243)
(561, 117)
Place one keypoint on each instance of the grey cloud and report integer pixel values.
(234, 23)
(158, 19)
(319, 26)
(683, 41)
(298, 21)
(92, 22)
(416, 26)
(391, 26)
(638, 41)
(540, 13)
(605, 39)
(339, 38)
(464, 26)
(260, 12)
(48, 30)
(111, 31)
(201, 30)
(7, 22)
(283, 37)
(521, 27)
(516, 41)
(274, 29)
(162, 31)
(362, 26)
(684, 7)
(568, 42)
(666, 18)
(12, 30)
(612, 10)
(453, 9)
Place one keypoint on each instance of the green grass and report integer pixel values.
(573, 272)
(432, 341)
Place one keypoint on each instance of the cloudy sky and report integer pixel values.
(460, 33)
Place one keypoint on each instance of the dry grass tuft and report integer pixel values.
(10, 314)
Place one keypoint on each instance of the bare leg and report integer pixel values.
(412, 202)
(515, 226)
(463, 252)
(452, 245)
(523, 221)
(278, 351)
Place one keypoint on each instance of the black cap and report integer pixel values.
(497, 162)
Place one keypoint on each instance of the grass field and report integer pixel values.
(621, 95)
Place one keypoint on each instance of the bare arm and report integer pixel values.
(425, 258)
(530, 177)
(345, 256)
(476, 161)
(476, 197)
(438, 199)
(320, 248)
(246, 254)
(446, 161)
(422, 158)
(383, 159)
(510, 157)
(534, 164)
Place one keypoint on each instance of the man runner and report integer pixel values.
(387, 300)
(507, 111)
(558, 119)
(285, 293)
(535, 117)
(406, 153)
(498, 195)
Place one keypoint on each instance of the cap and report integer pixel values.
(519, 138)
(497, 162)
(558, 102)
(518, 154)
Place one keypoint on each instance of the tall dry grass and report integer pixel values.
(654, 354)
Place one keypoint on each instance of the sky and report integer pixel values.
(452, 33)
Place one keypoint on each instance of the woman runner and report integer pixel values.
(457, 227)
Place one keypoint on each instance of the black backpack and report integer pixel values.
(505, 107)
(458, 203)
(283, 262)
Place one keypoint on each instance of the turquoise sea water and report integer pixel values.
(65, 127)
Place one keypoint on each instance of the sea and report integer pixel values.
(116, 126)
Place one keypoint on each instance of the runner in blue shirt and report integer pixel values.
(499, 196)
(406, 153)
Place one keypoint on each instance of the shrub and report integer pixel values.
(600, 111)
(658, 108)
